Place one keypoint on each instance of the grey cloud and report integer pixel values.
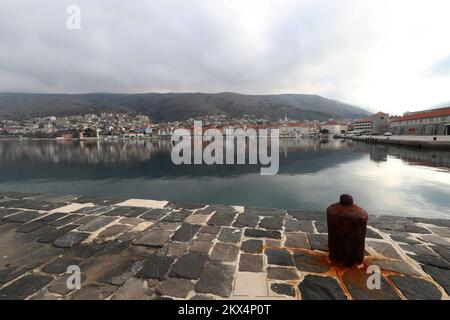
(304, 46)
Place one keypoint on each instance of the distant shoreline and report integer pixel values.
(436, 142)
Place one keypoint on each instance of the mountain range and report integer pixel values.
(178, 106)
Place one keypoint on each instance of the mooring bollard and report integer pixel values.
(347, 225)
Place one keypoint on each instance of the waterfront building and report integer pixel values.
(362, 125)
(376, 124)
(334, 127)
(423, 123)
(293, 130)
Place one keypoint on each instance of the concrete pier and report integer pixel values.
(411, 141)
(145, 249)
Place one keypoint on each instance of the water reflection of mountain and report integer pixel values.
(425, 157)
(149, 159)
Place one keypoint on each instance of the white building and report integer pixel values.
(293, 130)
(363, 125)
(334, 127)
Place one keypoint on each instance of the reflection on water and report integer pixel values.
(384, 179)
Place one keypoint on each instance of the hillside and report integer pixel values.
(177, 106)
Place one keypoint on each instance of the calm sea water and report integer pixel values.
(313, 173)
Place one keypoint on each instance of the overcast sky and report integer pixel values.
(390, 55)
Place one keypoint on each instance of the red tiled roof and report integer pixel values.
(363, 120)
(297, 125)
(425, 114)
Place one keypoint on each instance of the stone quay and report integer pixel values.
(147, 250)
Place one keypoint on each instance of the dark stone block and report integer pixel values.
(28, 204)
(176, 216)
(190, 265)
(398, 226)
(210, 229)
(418, 249)
(112, 248)
(404, 237)
(221, 208)
(282, 273)
(298, 225)
(99, 201)
(45, 230)
(65, 220)
(189, 206)
(246, 220)
(283, 289)
(121, 272)
(24, 287)
(129, 237)
(59, 265)
(8, 211)
(222, 219)
(252, 246)
(125, 211)
(31, 226)
(216, 279)
(225, 252)
(58, 233)
(70, 239)
(8, 274)
(91, 210)
(85, 251)
(178, 288)
(97, 223)
(52, 217)
(437, 222)
(434, 261)
(154, 214)
(416, 288)
(441, 276)
(156, 267)
(250, 263)
(279, 257)
(443, 252)
(23, 216)
(311, 263)
(308, 215)
(384, 248)
(230, 235)
(296, 240)
(256, 233)
(186, 232)
(85, 220)
(153, 238)
(37, 257)
(271, 223)
(318, 241)
(201, 246)
(356, 282)
(320, 288)
(265, 212)
(372, 234)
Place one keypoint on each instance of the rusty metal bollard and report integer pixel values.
(347, 225)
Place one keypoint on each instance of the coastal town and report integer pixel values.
(433, 122)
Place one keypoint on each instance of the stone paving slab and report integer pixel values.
(145, 249)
